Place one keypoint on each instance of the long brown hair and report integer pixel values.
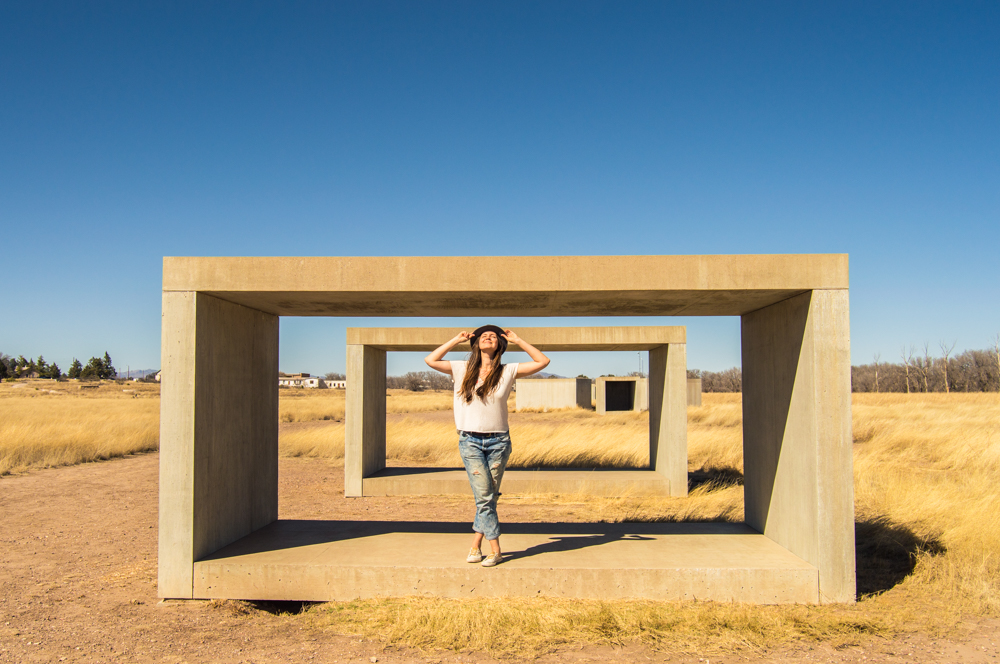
(472, 367)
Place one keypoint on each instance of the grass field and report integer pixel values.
(926, 474)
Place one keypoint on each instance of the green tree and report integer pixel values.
(94, 369)
(54, 372)
(41, 367)
(109, 369)
(75, 369)
(4, 366)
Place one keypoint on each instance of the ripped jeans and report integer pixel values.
(485, 457)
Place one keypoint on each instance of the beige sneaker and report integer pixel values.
(492, 560)
(475, 556)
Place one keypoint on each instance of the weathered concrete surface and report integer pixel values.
(531, 285)
(324, 561)
(218, 430)
(549, 393)
(798, 477)
(585, 481)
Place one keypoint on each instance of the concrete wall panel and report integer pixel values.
(364, 450)
(219, 430)
(547, 393)
(798, 486)
(667, 396)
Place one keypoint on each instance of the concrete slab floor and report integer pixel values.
(401, 481)
(339, 560)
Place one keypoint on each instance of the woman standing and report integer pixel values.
(482, 385)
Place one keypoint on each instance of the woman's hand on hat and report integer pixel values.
(463, 336)
(511, 336)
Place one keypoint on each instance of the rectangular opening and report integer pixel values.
(620, 395)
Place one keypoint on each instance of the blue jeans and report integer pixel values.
(485, 457)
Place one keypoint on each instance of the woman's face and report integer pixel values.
(488, 342)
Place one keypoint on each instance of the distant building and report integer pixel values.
(300, 380)
(336, 384)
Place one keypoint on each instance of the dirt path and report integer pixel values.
(78, 567)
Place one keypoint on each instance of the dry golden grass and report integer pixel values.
(46, 424)
(926, 475)
(300, 405)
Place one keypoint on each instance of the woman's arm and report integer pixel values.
(434, 360)
(539, 361)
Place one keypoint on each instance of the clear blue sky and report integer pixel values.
(130, 131)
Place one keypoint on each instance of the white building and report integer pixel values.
(300, 380)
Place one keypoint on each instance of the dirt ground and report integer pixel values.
(78, 568)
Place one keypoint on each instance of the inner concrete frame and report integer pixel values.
(219, 409)
(365, 472)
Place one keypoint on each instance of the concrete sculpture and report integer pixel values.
(365, 473)
(219, 534)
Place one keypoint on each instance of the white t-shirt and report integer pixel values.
(488, 417)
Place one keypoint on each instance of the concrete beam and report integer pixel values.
(798, 477)
(613, 338)
(530, 285)
(218, 430)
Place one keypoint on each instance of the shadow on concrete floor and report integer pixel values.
(886, 553)
(569, 543)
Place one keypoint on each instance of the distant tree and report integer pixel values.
(109, 369)
(74, 369)
(94, 369)
(335, 376)
(907, 358)
(53, 372)
(4, 366)
(945, 352)
(730, 380)
(996, 354)
(41, 367)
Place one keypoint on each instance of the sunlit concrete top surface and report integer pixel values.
(543, 338)
(508, 285)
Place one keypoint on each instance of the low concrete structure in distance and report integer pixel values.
(642, 393)
(219, 533)
(617, 393)
(552, 393)
(365, 472)
(694, 391)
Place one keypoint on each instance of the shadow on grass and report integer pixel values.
(886, 553)
(276, 608)
(714, 479)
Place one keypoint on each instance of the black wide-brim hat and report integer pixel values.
(491, 328)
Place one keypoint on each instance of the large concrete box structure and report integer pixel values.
(551, 393)
(365, 471)
(219, 534)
